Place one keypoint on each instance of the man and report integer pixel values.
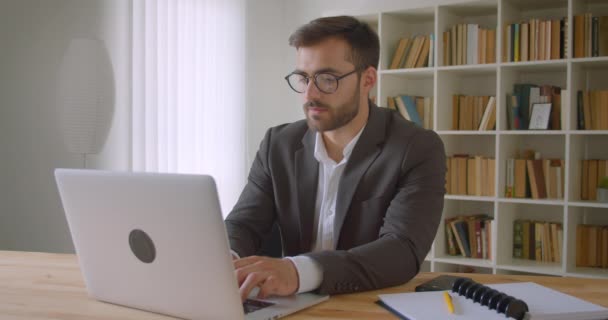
(356, 190)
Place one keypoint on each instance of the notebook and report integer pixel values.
(542, 302)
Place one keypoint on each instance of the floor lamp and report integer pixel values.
(85, 96)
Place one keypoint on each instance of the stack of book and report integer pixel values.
(592, 110)
(537, 240)
(520, 103)
(590, 36)
(470, 175)
(416, 52)
(469, 236)
(473, 112)
(533, 177)
(469, 44)
(413, 108)
(592, 173)
(591, 246)
(535, 39)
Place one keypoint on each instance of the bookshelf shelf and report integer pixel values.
(465, 261)
(588, 132)
(497, 79)
(470, 69)
(469, 198)
(536, 66)
(588, 273)
(532, 132)
(589, 204)
(532, 201)
(467, 132)
(591, 62)
(520, 265)
(412, 72)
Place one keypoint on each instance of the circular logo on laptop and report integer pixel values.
(142, 246)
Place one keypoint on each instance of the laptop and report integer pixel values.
(157, 242)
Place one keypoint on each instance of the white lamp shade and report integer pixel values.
(85, 96)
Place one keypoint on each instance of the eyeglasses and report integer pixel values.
(325, 82)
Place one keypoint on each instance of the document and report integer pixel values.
(543, 303)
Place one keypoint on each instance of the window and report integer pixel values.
(188, 90)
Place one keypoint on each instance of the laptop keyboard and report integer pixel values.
(251, 305)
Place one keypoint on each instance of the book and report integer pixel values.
(510, 178)
(579, 35)
(423, 56)
(401, 108)
(603, 36)
(459, 240)
(523, 48)
(520, 179)
(399, 52)
(491, 46)
(450, 239)
(541, 302)
(488, 119)
(410, 105)
(518, 241)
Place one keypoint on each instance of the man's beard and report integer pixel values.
(338, 116)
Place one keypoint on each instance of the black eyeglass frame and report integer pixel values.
(314, 77)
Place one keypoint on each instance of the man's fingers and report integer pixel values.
(242, 272)
(239, 263)
(269, 287)
(253, 280)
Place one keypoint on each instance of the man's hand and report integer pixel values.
(273, 276)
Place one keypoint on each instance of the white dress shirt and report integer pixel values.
(309, 272)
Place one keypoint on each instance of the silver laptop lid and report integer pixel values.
(146, 240)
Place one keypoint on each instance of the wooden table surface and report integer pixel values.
(50, 286)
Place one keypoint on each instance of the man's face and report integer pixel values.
(327, 112)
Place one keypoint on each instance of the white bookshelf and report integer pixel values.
(497, 79)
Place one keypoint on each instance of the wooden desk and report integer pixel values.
(50, 286)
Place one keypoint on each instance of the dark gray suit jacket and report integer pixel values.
(389, 204)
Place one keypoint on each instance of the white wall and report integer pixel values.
(34, 35)
(266, 67)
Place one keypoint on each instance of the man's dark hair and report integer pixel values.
(363, 40)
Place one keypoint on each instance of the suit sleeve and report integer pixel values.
(410, 225)
(254, 213)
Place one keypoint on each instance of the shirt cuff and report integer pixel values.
(234, 254)
(310, 273)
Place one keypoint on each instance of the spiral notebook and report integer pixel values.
(542, 303)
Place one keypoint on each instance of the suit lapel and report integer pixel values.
(307, 176)
(365, 152)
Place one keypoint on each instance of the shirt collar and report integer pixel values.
(321, 152)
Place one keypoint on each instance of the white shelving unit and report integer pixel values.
(497, 79)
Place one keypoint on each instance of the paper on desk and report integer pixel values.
(544, 303)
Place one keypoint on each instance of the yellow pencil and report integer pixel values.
(448, 301)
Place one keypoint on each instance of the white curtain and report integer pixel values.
(188, 90)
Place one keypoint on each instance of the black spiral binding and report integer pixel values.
(493, 299)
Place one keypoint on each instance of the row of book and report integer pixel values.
(414, 108)
(416, 52)
(537, 240)
(469, 44)
(593, 171)
(521, 102)
(591, 246)
(469, 236)
(592, 109)
(535, 39)
(470, 175)
(473, 112)
(590, 36)
(532, 177)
